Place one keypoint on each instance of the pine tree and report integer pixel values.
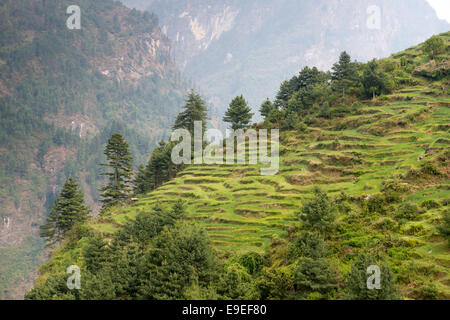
(120, 161)
(157, 170)
(373, 80)
(344, 73)
(238, 113)
(356, 286)
(266, 107)
(94, 253)
(180, 255)
(140, 181)
(68, 210)
(194, 110)
(319, 213)
(314, 275)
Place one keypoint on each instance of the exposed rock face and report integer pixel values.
(116, 74)
(231, 47)
(136, 56)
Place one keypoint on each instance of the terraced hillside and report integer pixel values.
(395, 147)
(243, 210)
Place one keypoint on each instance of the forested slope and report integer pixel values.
(62, 93)
(364, 179)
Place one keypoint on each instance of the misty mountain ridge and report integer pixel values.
(236, 47)
(62, 93)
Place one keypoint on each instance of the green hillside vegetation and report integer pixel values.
(363, 180)
(59, 104)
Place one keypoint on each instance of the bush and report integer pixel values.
(444, 228)
(429, 204)
(428, 291)
(415, 229)
(429, 169)
(377, 204)
(407, 211)
(234, 282)
(302, 127)
(252, 262)
(386, 224)
(433, 46)
(276, 283)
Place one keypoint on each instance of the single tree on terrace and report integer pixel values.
(238, 113)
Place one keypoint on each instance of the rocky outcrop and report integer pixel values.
(229, 45)
(117, 73)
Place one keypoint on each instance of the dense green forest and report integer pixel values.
(364, 180)
(62, 94)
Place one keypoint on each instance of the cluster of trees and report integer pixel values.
(122, 182)
(54, 76)
(321, 94)
(310, 271)
(160, 167)
(158, 256)
(155, 257)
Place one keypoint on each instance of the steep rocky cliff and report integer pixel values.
(229, 45)
(62, 93)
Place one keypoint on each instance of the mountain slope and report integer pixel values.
(62, 93)
(384, 161)
(237, 47)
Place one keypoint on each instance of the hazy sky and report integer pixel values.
(442, 8)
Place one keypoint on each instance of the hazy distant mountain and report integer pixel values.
(62, 93)
(231, 47)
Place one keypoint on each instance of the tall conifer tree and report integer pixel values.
(238, 113)
(344, 73)
(194, 110)
(119, 161)
(68, 210)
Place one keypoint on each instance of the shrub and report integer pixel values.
(235, 282)
(415, 229)
(252, 262)
(428, 291)
(444, 228)
(429, 204)
(275, 283)
(407, 211)
(430, 169)
(377, 204)
(386, 224)
(302, 127)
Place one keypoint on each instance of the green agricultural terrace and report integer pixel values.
(397, 142)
